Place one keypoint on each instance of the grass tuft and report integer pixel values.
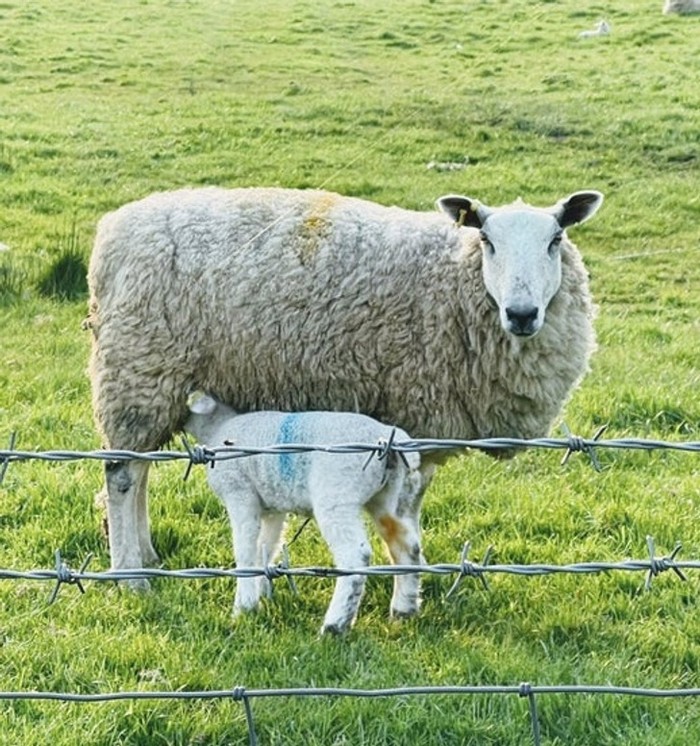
(66, 278)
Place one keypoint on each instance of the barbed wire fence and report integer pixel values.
(193, 455)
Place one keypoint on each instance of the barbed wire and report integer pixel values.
(204, 455)
(62, 574)
(653, 566)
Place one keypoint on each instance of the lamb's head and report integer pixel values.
(521, 252)
(206, 413)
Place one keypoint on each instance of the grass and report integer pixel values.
(105, 102)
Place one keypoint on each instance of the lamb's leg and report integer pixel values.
(269, 544)
(245, 526)
(124, 481)
(344, 531)
(396, 513)
(402, 537)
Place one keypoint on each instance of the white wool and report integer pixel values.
(295, 300)
(259, 490)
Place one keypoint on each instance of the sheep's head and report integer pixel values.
(521, 248)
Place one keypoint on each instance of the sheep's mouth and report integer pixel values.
(523, 334)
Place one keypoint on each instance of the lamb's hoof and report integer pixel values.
(335, 628)
(403, 613)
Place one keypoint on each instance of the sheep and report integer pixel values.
(468, 322)
(333, 487)
(602, 28)
(681, 6)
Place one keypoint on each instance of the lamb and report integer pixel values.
(334, 487)
(469, 322)
(681, 6)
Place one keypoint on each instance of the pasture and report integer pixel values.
(398, 102)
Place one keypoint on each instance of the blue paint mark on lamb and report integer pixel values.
(289, 432)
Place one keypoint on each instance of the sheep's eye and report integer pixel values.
(486, 244)
(554, 245)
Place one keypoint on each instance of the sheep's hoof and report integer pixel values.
(136, 585)
(239, 611)
(150, 557)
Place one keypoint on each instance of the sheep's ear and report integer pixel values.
(464, 210)
(577, 208)
(200, 403)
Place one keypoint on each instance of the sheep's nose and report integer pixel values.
(522, 320)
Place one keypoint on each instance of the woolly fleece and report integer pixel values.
(297, 300)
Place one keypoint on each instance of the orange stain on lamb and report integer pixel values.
(392, 531)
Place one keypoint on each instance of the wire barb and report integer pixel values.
(65, 575)
(272, 572)
(199, 455)
(382, 450)
(578, 444)
(284, 566)
(469, 569)
(659, 565)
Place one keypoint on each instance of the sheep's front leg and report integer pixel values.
(345, 534)
(149, 556)
(126, 487)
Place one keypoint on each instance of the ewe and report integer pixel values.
(473, 323)
(333, 487)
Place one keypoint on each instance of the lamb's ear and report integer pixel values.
(463, 210)
(200, 403)
(577, 208)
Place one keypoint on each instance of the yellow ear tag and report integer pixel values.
(462, 218)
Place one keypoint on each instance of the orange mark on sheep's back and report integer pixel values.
(316, 225)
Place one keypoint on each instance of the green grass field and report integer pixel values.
(104, 102)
